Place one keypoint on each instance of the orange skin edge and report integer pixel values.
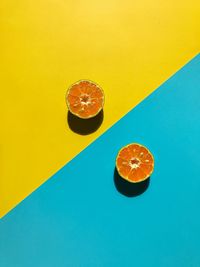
(126, 178)
(68, 106)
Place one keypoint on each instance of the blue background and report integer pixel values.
(79, 218)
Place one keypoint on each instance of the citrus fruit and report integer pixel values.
(85, 99)
(134, 163)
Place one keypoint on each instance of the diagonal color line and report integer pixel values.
(196, 58)
(128, 47)
(82, 151)
(83, 217)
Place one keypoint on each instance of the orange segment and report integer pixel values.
(73, 100)
(125, 170)
(75, 90)
(136, 175)
(134, 149)
(125, 154)
(134, 163)
(85, 99)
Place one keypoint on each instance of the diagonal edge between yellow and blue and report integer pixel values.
(128, 47)
(85, 216)
(73, 158)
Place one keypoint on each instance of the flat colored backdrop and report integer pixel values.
(128, 47)
(83, 216)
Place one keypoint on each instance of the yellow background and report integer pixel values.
(127, 47)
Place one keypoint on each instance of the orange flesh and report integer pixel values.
(135, 163)
(85, 99)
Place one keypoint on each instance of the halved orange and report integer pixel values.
(85, 99)
(134, 163)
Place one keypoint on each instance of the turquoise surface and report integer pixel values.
(83, 216)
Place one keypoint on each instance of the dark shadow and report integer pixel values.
(129, 189)
(84, 126)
